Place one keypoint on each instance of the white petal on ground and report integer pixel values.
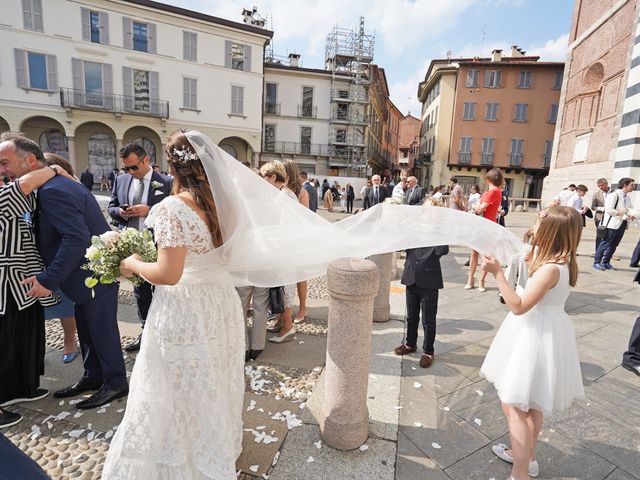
(265, 476)
(261, 427)
(120, 410)
(254, 468)
(436, 445)
(446, 409)
(413, 368)
(302, 405)
(417, 424)
(78, 415)
(318, 444)
(301, 342)
(35, 432)
(478, 421)
(479, 392)
(398, 407)
(49, 425)
(311, 460)
(102, 410)
(76, 433)
(90, 436)
(275, 458)
(364, 448)
(62, 415)
(108, 435)
(61, 402)
(417, 385)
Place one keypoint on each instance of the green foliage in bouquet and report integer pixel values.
(109, 249)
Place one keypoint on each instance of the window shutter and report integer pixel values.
(107, 79)
(154, 86)
(127, 81)
(77, 70)
(22, 78)
(487, 78)
(498, 78)
(52, 73)
(247, 58)
(37, 15)
(194, 47)
(103, 20)
(151, 37)
(27, 15)
(127, 29)
(186, 45)
(227, 53)
(185, 91)
(85, 16)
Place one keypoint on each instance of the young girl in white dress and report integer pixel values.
(533, 361)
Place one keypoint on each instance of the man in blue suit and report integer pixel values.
(66, 218)
(133, 195)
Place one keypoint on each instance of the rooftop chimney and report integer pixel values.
(294, 60)
(496, 55)
(516, 51)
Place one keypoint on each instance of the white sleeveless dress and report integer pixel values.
(533, 360)
(184, 412)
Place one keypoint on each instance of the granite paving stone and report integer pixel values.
(412, 464)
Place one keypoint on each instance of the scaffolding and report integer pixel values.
(348, 54)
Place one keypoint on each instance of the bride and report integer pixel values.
(184, 412)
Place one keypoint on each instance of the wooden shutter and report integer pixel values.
(107, 79)
(154, 86)
(194, 47)
(103, 20)
(186, 45)
(487, 78)
(247, 58)
(127, 30)
(85, 15)
(22, 76)
(52, 73)
(498, 78)
(227, 53)
(27, 15)
(77, 70)
(37, 15)
(127, 88)
(151, 37)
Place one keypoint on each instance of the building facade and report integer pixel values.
(378, 117)
(503, 115)
(92, 75)
(408, 143)
(598, 135)
(392, 137)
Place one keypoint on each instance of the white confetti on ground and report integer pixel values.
(265, 476)
(436, 445)
(364, 448)
(398, 407)
(108, 435)
(61, 403)
(49, 425)
(275, 458)
(90, 436)
(252, 405)
(261, 427)
(76, 433)
(479, 392)
(301, 342)
(120, 410)
(254, 468)
(417, 424)
(478, 421)
(446, 409)
(74, 401)
(77, 415)
(318, 444)
(62, 416)
(413, 368)
(35, 432)
(101, 410)
(417, 385)
(286, 416)
(302, 405)
(311, 460)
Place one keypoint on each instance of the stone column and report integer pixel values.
(71, 148)
(344, 420)
(381, 308)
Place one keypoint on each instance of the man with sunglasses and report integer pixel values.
(133, 195)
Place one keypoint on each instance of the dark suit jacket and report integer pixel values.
(120, 195)
(86, 178)
(67, 216)
(313, 196)
(422, 267)
(350, 193)
(416, 198)
(382, 194)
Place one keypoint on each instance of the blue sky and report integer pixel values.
(410, 33)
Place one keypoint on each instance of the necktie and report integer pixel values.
(375, 196)
(137, 199)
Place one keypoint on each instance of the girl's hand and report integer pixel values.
(490, 264)
(126, 267)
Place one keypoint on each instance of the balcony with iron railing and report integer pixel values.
(515, 159)
(487, 159)
(296, 148)
(307, 111)
(108, 102)
(464, 157)
(271, 108)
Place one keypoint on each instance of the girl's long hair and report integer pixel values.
(293, 177)
(190, 176)
(557, 239)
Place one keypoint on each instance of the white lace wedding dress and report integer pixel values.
(184, 412)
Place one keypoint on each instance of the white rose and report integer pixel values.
(109, 237)
(92, 253)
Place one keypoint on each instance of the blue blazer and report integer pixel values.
(67, 216)
(120, 195)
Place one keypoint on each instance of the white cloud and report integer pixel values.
(404, 92)
(553, 50)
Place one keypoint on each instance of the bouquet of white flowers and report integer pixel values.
(109, 249)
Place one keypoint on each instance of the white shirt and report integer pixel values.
(397, 191)
(575, 201)
(473, 198)
(610, 220)
(145, 193)
(564, 197)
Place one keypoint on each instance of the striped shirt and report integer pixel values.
(19, 257)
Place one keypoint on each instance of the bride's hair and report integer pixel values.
(189, 175)
(556, 240)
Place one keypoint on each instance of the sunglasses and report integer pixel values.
(133, 168)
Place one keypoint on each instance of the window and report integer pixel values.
(237, 56)
(269, 137)
(94, 21)
(95, 26)
(271, 99)
(557, 81)
(515, 154)
(305, 140)
(32, 15)
(487, 151)
(190, 47)
(492, 111)
(553, 113)
(548, 147)
(190, 93)
(93, 83)
(524, 80)
(343, 93)
(141, 90)
(237, 100)
(581, 148)
(464, 156)
(342, 112)
(140, 37)
(469, 111)
(521, 112)
(341, 136)
(472, 77)
(307, 102)
(37, 70)
(427, 122)
(492, 78)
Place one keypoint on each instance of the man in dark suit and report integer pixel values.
(414, 195)
(351, 195)
(86, 178)
(631, 358)
(423, 277)
(66, 217)
(311, 190)
(133, 195)
(376, 193)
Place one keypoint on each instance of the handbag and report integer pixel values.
(276, 299)
(601, 230)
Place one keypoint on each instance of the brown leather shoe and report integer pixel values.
(404, 349)
(426, 360)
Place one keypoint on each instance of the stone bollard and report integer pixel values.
(344, 420)
(381, 308)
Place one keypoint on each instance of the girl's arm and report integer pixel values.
(303, 198)
(167, 270)
(546, 277)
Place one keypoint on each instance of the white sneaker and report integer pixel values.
(500, 450)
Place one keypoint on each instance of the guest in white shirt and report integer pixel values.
(576, 200)
(473, 198)
(398, 190)
(563, 197)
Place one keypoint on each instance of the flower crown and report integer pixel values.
(183, 156)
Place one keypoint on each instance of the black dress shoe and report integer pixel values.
(102, 397)
(247, 355)
(134, 346)
(254, 354)
(632, 368)
(84, 385)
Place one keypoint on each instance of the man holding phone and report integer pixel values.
(133, 195)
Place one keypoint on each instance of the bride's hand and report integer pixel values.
(490, 264)
(125, 265)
